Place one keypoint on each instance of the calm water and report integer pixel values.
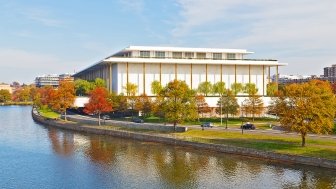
(33, 156)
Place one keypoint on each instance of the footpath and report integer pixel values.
(174, 139)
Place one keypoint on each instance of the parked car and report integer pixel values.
(137, 120)
(106, 117)
(248, 125)
(207, 124)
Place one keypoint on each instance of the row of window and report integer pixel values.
(178, 55)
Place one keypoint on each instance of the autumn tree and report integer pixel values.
(64, 97)
(236, 88)
(205, 88)
(144, 104)
(22, 94)
(5, 96)
(119, 102)
(98, 102)
(306, 108)
(46, 94)
(202, 106)
(179, 103)
(229, 105)
(254, 104)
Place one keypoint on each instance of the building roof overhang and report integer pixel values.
(113, 60)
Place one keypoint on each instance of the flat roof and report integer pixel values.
(185, 49)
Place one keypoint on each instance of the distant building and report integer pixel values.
(52, 80)
(330, 71)
(66, 77)
(283, 79)
(4, 86)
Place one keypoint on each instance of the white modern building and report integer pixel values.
(142, 65)
(52, 80)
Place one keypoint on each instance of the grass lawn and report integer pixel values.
(49, 113)
(323, 148)
(260, 123)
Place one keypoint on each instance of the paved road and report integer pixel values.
(268, 131)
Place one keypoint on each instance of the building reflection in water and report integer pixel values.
(183, 167)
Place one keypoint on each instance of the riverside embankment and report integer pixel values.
(173, 139)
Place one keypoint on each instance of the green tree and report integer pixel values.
(227, 104)
(156, 87)
(272, 89)
(219, 88)
(236, 88)
(5, 95)
(131, 90)
(250, 88)
(205, 88)
(99, 82)
(83, 87)
(179, 102)
(306, 108)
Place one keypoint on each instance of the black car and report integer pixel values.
(137, 120)
(207, 124)
(248, 126)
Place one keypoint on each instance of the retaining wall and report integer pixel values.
(130, 125)
(319, 162)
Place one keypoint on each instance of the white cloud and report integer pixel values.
(136, 6)
(302, 31)
(42, 16)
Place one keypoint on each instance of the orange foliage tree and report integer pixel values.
(202, 106)
(64, 97)
(144, 104)
(98, 102)
(306, 108)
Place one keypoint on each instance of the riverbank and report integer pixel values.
(16, 104)
(177, 139)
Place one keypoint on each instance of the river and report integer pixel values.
(34, 156)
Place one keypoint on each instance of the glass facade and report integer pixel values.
(160, 54)
(145, 54)
(231, 56)
(217, 56)
(177, 54)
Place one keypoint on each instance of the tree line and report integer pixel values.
(304, 108)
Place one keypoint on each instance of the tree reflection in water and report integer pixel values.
(180, 167)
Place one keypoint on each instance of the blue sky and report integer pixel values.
(53, 37)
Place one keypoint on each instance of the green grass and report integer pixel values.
(45, 112)
(261, 123)
(323, 148)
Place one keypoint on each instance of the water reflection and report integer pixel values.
(178, 167)
(34, 156)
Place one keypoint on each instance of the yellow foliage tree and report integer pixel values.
(306, 108)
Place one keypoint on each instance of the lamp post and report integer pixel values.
(227, 111)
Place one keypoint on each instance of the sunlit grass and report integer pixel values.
(316, 147)
(46, 112)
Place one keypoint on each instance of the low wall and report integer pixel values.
(319, 162)
(130, 125)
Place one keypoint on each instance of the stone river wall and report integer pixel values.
(166, 139)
